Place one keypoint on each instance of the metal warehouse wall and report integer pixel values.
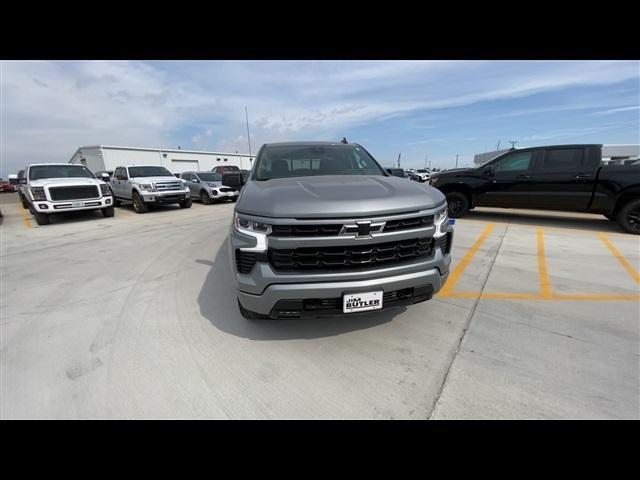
(92, 158)
(175, 161)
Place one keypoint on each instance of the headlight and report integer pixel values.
(105, 190)
(38, 193)
(242, 223)
(148, 187)
(213, 185)
(441, 220)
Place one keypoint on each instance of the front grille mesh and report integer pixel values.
(349, 257)
(245, 261)
(305, 230)
(163, 187)
(408, 223)
(444, 243)
(73, 193)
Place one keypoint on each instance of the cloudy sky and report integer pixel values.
(419, 108)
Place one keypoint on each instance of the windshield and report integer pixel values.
(209, 177)
(149, 172)
(309, 160)
(59, 171)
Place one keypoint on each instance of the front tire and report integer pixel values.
(186, 203)
(41, 218)
(138, 205)
(205, 198)
(458, 204)
(108, 212)
(629, 216)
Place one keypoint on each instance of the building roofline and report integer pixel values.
(149, 149)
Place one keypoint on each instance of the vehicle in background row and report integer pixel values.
(322, 229)
(396, 172)
(423, 174)
(207, 187)
(21, 189)
(5, 186)
(50, 188)
(222, 169)
(147, 185)
(563, 177)
(104, 175)
(235, 179)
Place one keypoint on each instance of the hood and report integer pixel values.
(164, 179)
(336, 196)
(64, 181)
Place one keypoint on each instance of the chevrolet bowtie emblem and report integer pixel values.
(364, 228)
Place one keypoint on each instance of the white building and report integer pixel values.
(108, 157)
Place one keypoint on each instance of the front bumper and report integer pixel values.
(264, 290)
(46, 206)
(218, 194)
(163, 198)
(285, 296)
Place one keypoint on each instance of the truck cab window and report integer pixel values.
(518, 162)
(562, 159)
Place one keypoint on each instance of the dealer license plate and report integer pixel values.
(77, 204)
(361, 302)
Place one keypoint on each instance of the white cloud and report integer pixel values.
(50, 108)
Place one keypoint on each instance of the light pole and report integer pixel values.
(457, 160)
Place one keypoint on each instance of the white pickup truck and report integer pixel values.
(50, 188)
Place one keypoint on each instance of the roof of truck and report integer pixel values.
(313, 143)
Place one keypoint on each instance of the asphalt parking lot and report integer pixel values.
(135, 317)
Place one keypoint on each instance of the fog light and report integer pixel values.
(108, 201)
(43, 206)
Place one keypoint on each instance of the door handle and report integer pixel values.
(582, 177)
(523, 177)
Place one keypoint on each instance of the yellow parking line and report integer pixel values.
(545, 282)
(579, 297)
(623, 261)
(25, 217)
(464, 263)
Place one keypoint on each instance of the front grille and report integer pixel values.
(73, 193)
(163, 187)
(227, 189)
(245, 261)
(444, 243)
(349, 257)
(320, 230)
(408, 223)
(305, 230)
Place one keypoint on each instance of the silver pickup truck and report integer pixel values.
(147, 185)
(321, 229)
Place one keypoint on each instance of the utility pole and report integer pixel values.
(246, 115)
(457, 160)
(513, 143)
(498, 147)
(399, 159)
(425, 161)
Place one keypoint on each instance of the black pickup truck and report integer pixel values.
(563, 177)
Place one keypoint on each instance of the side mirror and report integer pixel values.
(23, 180)
(196, 180)
(105, 177)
